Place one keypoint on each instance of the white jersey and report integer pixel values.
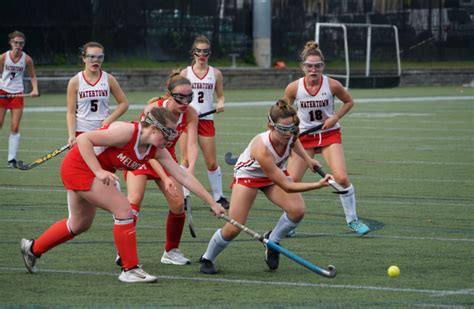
(92, 103)
(314, 109)
(203, 91)
(248, 167)
(12, 75)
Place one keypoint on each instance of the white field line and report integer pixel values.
(309, 196)
(135, 106)
(435, 293)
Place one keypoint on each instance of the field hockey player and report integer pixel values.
(262, 166)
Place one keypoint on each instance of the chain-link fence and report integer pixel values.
(164, 30)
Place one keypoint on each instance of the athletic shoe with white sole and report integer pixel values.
(12, 163)
(174, 257)
(272, 258)
(358, 227)
(28, 257)
(136, 275)
(207, 267)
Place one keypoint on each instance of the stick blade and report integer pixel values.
(21, 166)
(229, 160)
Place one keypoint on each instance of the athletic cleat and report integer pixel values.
(358, 227)
(272, 258)
(224, 202)
(12, 163)
(118, 260)
(291, 233)
(174, 257)
(207, 267)
(136, 275)
(29, 258)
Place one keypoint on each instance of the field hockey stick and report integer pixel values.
(207, 113)
(41, 160)
(187, 206)
(14, 95)
(332, 183)
(328, 273)
(229, 159)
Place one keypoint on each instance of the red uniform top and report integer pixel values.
(76, 174)
(181, 124)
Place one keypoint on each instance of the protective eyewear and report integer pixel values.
(170, 134)
(283, 129)
(181, 98)
(313, 65)
(202, 52)
(19, 43)
(91, 57)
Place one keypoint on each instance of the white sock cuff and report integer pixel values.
(220, 238)
(214, 172)
(122, 221)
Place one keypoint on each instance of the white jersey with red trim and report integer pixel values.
(203, 91)
(248, 167)
(12, 75)
(92, 102)
(314, 109)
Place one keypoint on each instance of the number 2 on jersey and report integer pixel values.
(201, 97)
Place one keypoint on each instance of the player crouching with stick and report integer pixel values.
(262, 166)
(88, 173)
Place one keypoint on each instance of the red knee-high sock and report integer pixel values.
(56, 234)
(126, 242)
(174, 230)
(135, 212)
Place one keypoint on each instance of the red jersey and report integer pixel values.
(181, 124)
(76, 174)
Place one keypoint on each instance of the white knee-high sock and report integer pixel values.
(348, 201)
(215, 179)
(215, 246)
(282, 228)
(13, 144)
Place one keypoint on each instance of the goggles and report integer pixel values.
(283, 128)
(202, 52)
(19, 43)
(181, 98)
(92, 57)
(170, 134)
(313, 65)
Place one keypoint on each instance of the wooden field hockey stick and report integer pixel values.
(20, 165)
(15, 95)
(328, 273)
(187, 199)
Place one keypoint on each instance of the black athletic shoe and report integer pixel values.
(12, 163)
(224, 202)
(118, 260)
(207, 267)
(272, 257)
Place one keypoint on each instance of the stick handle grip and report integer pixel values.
(311, 130)
(207, 113)
(320, 171)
